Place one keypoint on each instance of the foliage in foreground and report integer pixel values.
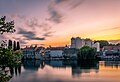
(4, 77)
(7, 56)
(6, 26)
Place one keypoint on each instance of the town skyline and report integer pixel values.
(55, 22)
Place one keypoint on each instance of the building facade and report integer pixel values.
(78, 43)
(54, 52)
(33, 52)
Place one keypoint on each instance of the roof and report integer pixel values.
(56, 48)
(29, 48)
(39, 48)
(111, 47)
(70, 50)
(33, 48)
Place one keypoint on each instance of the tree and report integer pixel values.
(10, 44)
(6, 26)
(18, 46)
(14, 46)
(6, 57)
(118, 44)
(102, 43)
(86, 53)
(6, 54)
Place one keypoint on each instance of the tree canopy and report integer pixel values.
(86, 53)
(102, 43)
(6, 26)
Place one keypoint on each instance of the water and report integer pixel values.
(67, 71)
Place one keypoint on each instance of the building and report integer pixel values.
(111, 52)
(97, 46)
(28, 53)
(114, 48)
(54, 52)
(78, 43)
(39, 52)
(33, 52)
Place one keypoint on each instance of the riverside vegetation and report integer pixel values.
(9, 56)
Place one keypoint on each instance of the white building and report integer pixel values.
(33, 52)
(78, 43)
(54, 52)
(73, 42)
(39, 52)
(97, 46)
(88, 42)
(28, 53)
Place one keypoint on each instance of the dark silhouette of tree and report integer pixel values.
(118, 44)
(86, 53)
(102, 43)
(10, 44)
(14, 46)
(18, 46)
(6, 26)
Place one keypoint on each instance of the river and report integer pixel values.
(66, 71)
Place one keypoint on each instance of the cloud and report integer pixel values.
(33, 22)
(55, 16)
(114, 41)
(3, 37)
(48, 34)
(71, 3)
(114, 28)
(29, 35)
(46, 27)
(22, 41)
(77, 3)
(59, 1)
(18, 16)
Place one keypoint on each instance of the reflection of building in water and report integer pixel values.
(33, 64)
(112, 64)
(77, 69)
(61, 63)
(85, 67)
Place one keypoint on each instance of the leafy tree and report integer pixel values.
(6, 54)
(4, 77)
(14, 46)
(10, 44)
(18, 46)
(6, 57)
(86, 53)
(6, 26)
(3, 44)
(102, 43)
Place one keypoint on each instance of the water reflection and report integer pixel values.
(15, 71)
(112, 64)
(66, 70)
(77, 67)
(33, 64)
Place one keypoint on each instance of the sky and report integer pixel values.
(54, 22)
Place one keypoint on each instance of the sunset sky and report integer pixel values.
(54, 22)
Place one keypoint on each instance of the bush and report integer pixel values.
(86, 53)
